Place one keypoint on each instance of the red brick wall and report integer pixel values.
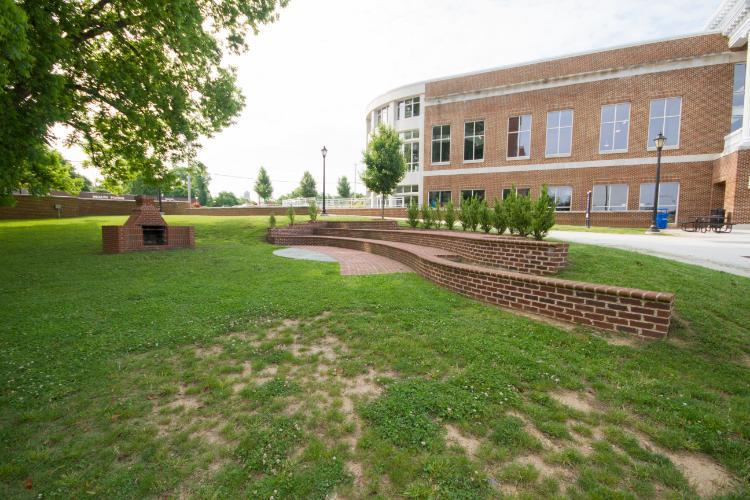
(637, 312)
(513, 253)
(120, 239)
(606, 59)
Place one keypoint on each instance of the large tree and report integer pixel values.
(225, 199)
(307, 187)
(384, 163)
(343, 187)
(138, 82)
(263, 186)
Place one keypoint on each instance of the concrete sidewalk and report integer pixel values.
(724, 252)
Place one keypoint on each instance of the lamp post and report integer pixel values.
(324, 152)
(659, 141)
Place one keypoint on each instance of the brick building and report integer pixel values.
(586, 123)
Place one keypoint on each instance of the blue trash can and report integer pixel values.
(662, 218)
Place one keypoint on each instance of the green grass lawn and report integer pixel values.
(228, 372)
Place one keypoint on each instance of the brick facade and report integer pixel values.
(637, 312)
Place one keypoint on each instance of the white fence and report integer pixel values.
(390, 202)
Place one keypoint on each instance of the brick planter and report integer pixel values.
(638, 312)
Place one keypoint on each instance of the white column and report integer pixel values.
(746, 110)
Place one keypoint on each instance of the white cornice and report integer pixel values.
(592, 76)
(732, 19)
(625, 162)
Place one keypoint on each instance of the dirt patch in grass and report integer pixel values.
(532, 431)
(208, 352)
(745, 360)
(469, 444)
(578, 401)
(708, 477)
(622, 340)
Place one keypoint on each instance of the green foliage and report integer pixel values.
(290, 214)
(307, 187)
(272, 221)
(312, 210)
(343, 188)
(485, 217)
(48, 170)
(412, 214)
(265, 445)
(225, 199)
(509, 204)
(542, 215)
(138, 83)
(437, 216)
(519, 213)
(450, 215)
(426, 216)
(464, 214)
(474, 207)
(500, 216)
(384, 162)
(263, 187)
(508, 432)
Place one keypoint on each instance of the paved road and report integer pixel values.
(725, 252)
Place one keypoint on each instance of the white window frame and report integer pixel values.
(614, 123)
(735, 92)
(401, 108)
(440, 141)
(473, 138)
(650, 146)
(411, 138)
(651, 201)
(608, 208)
(558, 127)
(441, 201)
(555, 188)
(473, 190)
(507, 138)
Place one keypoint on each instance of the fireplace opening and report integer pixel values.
(154, 235)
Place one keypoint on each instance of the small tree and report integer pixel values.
(542, 215)
(384, 163)
(307, 187)
(272, 221)
(450, 215)
(510, 210)
(426, 216)
(521, 215)
(290, 214)
(226, 199)
(474, 209)
(485, 217)
(500, 217)
(437, 216)
(343, 187)
(464, 215)
(313, 210)
(263, 187)
(412, 214)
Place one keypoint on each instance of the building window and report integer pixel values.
(441, 198)
(474, 141)
(519, 136)
(669, 193)
(665, 119)
(562, 196)
(408, 108)
(468, 194)
(519, 192)
(411, 149)
(381, 116)
(610, 198)
(559, 133)
(407, 188)
(738, 95)
(615, 128)
(441, 144)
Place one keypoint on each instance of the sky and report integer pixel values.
(309, 77)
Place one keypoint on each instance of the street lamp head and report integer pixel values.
(324, 151)
(659, 140)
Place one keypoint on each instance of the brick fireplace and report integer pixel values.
(146, 230)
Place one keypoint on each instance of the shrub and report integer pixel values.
(485, 217)
(500, 217)
(290, 214)
(464, 214)
(509, 204)
(412, 214)
(542, 215)
(450, 215)
(474, 210)
(437, 216)
(272, 221)
(426, 216)
(522, 215)
(313, 210)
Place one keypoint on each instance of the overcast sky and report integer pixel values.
(309, 77)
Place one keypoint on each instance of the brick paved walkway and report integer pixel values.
(355, 262)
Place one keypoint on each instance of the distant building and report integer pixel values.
(586, 122)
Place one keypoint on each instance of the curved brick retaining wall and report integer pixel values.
(637, 312)
(512, 253)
